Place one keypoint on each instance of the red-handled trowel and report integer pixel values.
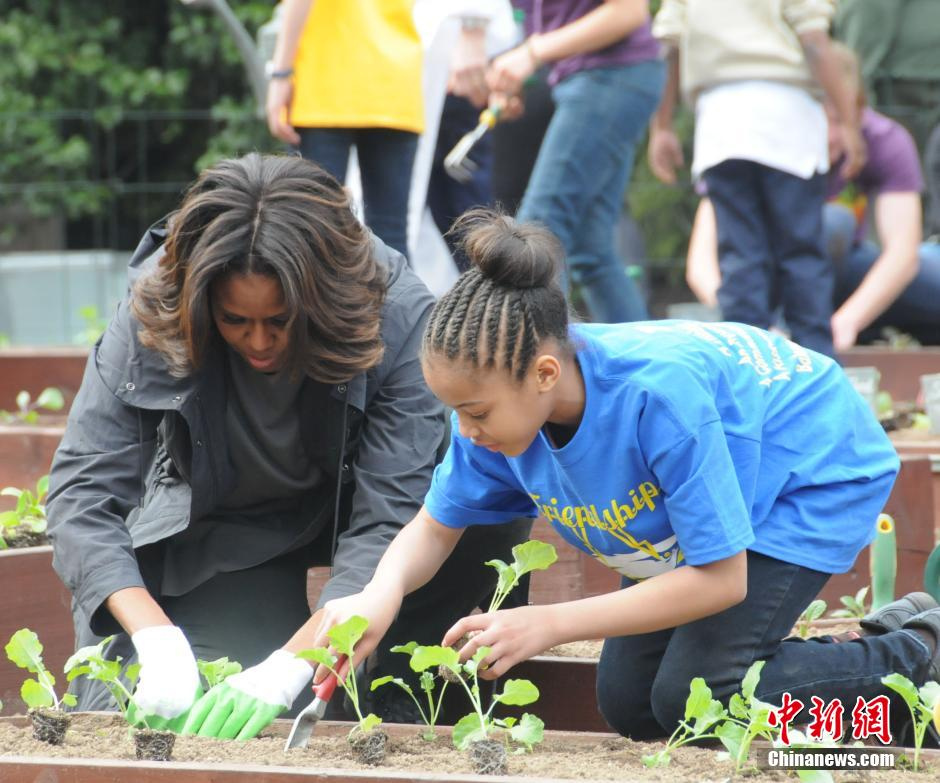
(306, 721)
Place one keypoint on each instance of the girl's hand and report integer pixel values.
(378, 606)
(513, 635)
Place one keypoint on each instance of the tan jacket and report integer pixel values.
(724, 41)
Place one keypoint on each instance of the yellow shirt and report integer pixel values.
(358, 65)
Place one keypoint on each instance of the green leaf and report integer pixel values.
(9, 519)
(929, 693)
(369, 722)
(85, 654)
(712, 714)
(814, 775)
(35, 695)
(69, 700)
(132, 674)
(12, 492)
(749, 683)
(518, 693)
(319, 655)
(530, 731)
(737, 706)
(25, 650)
(378, 682)
(397, 680)
(50, 399)
(345, 635)
(506, 580)
(427, 681)
(731, 736)
(700, 696)
(907, 689)
(533, 556)
(42, 487)
(22, 400)
(434, 655)
(217, 671)
(659, 759)
(407, 649)
(469, 728)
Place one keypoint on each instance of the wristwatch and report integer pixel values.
(273, 73)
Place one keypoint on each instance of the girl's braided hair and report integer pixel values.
(501, 309)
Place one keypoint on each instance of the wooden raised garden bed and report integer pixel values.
(32, 595)
(562, 756)
(33, 369)
(900, 369)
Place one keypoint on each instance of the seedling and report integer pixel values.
(703, 711)
(747, 719)
(344, 638)
(854, 605)
(810, 614)
(25, 650)
(426, 682)
(530, 556)
(30, 512)
(93, 326)
(27, 409)
(920, 701)
(478, 725)
(218, 671)
(120, 680)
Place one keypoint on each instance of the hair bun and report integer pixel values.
(511, 254)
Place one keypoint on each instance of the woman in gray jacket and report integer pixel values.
(255, 407)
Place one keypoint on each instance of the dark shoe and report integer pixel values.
(929, 621)
(891, 617)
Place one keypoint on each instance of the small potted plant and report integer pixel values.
(49, 720)
(90, 662)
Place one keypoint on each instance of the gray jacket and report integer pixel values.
(144, 453)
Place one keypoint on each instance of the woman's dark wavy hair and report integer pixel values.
(268, 215)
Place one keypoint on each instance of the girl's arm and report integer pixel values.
(413, 557)
(604, 25)
(665, 601)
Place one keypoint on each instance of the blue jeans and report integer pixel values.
(915, 311)
(770, 238)
(386, 158)
(643, 681)
(583, 167)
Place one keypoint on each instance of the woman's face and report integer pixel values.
(250, 315)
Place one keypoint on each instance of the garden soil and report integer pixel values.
(607, 758)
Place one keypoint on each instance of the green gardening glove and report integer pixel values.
(248, 701)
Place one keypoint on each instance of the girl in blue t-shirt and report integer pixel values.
(723, 471)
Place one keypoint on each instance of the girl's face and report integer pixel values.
(493, 410)
(249, 313)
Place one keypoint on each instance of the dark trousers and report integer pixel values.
(770, 238)
(247, 614)
(386, 158)
(448, 199)
(643, 681)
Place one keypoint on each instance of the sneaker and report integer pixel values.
(893, 616)
(929, 621)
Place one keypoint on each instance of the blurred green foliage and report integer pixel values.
(111, 57)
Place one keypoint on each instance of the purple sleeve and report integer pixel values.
(893, 165)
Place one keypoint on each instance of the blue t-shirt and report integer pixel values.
(697, 441)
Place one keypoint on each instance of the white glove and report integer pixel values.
(278, 679)
(169, 677)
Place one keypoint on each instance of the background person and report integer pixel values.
(347, 73)
(753, 72)
(675, 453)
(255, 407)
(606, 79)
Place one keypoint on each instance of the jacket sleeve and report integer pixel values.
(669, 24)
(95, 482)
(402, 431)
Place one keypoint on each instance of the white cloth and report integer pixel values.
(278, 679)
(169, 677)
(775, 124)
